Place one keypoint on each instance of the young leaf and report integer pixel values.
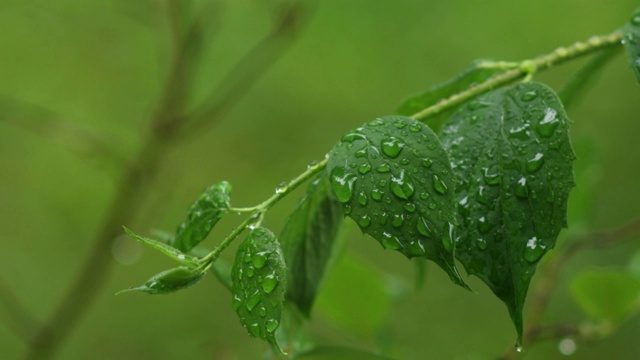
(511, 153)
(308, 240)
(631, 41)
(472, 75)
(394, 179)
(203, 214)
(168, 250)
(169, 281)
(607, 295)
(259, 284)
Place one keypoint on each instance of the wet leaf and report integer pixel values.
(474, 74)
(259, 284)
(203, 214)
(607, 295)
(309, 242)
(511, 153)
(394, 179)
(170, 281)
(631, 41)
(168, 250)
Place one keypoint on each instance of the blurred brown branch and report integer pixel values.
(550, 275)
(165, 125)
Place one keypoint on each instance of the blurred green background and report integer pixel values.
(100, 65)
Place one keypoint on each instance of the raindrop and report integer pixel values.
(482, 197)
(405, 161)
(383, 218)
(272, 325)
(447, 239)
(424, 196)
(533, 251)
(423, 227)
(364, 221)
(262, 311)
(415, 127)
(402, 187)
(521, 188)
(364, 168)
(236, 302)
(416, 248)
(535, 163)
(399, 124)
(312, 164)
(347, 209)
(361, 153)
(342, 183)
(481, 243)
(520, 133)
(392, 147)
(491, 177)
(397, 220)
(254, 329)
(483, 225)
(427, 163)
(439, 185)
(362, 198)
(259, 260)
(548, 124)
(529, 95)
(353, 136)
(282, 187)
(269, 283)
(410, 207)
(383, 168)
(376, 122)
(253, 300)
(432, 206)
(390, 242)
(376, 194)
(463, 206)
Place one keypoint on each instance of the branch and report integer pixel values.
(16, 315)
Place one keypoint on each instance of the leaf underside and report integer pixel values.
(394, 179)
(308, 242)
(259, 284)
(631, 41)
(511, 154)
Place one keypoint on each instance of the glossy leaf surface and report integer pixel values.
(394, 179)
(474, 74)
(308, 240)
(168, 250)
(607, 295)
(511, 153)
(631, 41)
(203, 214)
(259, 284)
(170, 281)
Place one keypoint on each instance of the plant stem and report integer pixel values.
(526, 67)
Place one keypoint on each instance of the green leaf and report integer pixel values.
(472, 75)
(259, 284)
(308, 242)
(168, 250)
(203, 214)
(169, 281)
(631, 41)
(511, 153)
(394, 179)
(611, 296)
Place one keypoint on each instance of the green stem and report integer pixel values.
(525, 68)
(262, 208)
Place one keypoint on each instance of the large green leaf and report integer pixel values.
(472, 75)
(308, 240)
(170, 281)
(203, 214)
(511, 153)
(631, 41)
(259, 284)
(394, 179)
(611, 296)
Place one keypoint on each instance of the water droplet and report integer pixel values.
(399, 124)
(535, 163)
(518, 347)
(529, 95)
(410, 207)
(246, 258)
(262, 311)
(364, 168)
(402, 187)
(282, 187)
(424, 196)
(416, 248)
(347, 209)
(427, 163)
(534, 250)
(483, 225)
(405, 161)
(376, 122)
(383, 218)
(635, 20)
(364, 221)
(259, 260)
(376, 194)
(382, 182)
(392, 147)
(312, 164)
(521, 188)
(432, 206)
(362, 198)
(254, 330)
(353, 136)
(439, 185)
(415, 127)
(272, 325)
(481, 243)
(250, 271)
(567, 347)
(391, 242)
(463, 206)
(361, 153)
(269, 283)
(491, 177)
(481, 196)
(449, 235)
(253, 300)
(397, 220)
(236, 302)
(383, 168)
(342, 183)
(520, 133)
(548, 124)
(423, 227)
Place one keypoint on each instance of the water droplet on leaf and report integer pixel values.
(342, 183)
(392, 147)
(439, 185)
(402, 186)
(534, 250)
(535, 163)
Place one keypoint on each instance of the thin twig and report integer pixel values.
(15, 315)
(550, 272)
(129, 194)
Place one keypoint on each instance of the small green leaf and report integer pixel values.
(394, 179)
(611, 296)
(472, 75)
(168, 250)
(203, 214)
(169, 281)
(511, 153)
(308, 242)
(259, 284)
(631, 41)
